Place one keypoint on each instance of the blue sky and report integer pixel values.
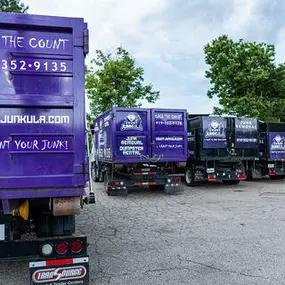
(166, 37)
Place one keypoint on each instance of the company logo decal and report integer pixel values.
(59, 274)
(215, 129)
(132, 122)
(278, 142)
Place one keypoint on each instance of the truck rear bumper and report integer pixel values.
(276, 172)
(171, 183)
(222, 176)
(32, 249)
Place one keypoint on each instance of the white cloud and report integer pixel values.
(280, 46)
(247, 20)
(167, 37)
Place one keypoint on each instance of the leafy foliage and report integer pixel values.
(245, 78)
(115, 81)
(14, 6)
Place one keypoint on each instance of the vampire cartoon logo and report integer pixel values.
(132, 122)
(215, 129)
(278, 143)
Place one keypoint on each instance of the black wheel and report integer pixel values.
(106, 181)
(190, 178)
(94, 173)
(231, 182)
(249, 176)
(100, 176)
(97, 175)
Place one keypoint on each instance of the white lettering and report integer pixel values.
(31, 119)
(41, 43)
(4, 144)
(55, 44)
(17, 143)
(34, 144)
(20, 42)
(5, 38)
(31, 43)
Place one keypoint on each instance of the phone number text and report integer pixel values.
(37, 65)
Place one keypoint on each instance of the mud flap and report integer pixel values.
(173, 190)
(60, 271)
(121, 192)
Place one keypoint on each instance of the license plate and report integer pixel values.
(2, 232)
(60, 271)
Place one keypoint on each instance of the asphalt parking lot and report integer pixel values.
(213, 234)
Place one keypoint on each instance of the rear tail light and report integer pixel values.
(241, 176)
(272, 172)
(76, 246)
(61, 248)
(175, 180)
(211, 177)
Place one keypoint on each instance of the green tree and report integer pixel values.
(14, 6)
(246, 80)
(115, 81)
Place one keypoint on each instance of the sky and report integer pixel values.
(167, 37)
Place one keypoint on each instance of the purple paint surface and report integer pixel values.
(214, 132)
(246, 133)
(277, 145)
(42, 148)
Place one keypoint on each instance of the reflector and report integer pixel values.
(47, 249)
(61, 248)
(76, 246)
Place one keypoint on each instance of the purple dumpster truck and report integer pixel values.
(135, 147)
(271, 152)
(43, 162)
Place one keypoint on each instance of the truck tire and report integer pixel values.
(94, 173)
(249, 176)
(100, 176)
(231, 182)
(106, 184)
(106, 181)
(97, 174)
(190, 178)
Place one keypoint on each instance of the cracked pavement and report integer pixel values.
(212, 234)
